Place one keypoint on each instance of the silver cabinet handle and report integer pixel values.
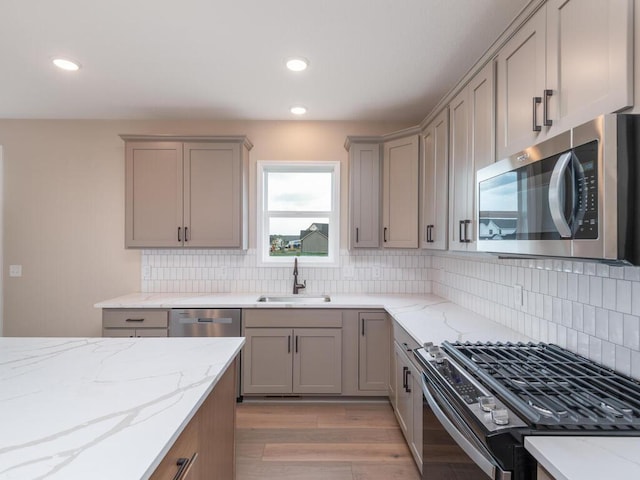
(555, 195)
(546, 121)
(536, 101)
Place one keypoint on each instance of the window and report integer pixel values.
(298, 212)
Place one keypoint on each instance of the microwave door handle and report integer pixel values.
(555, 202)
(467, 446)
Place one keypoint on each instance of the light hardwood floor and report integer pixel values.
(346, 441)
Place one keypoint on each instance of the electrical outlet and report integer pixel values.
(348, 271)
(377, 273)
(15, 270)
(517, 295)
(222, 273)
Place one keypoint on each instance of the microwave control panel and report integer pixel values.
(587, 192)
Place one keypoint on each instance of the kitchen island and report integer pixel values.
(103, 408)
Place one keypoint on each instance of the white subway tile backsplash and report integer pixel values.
(632, 332)
(616, 328)
(623, 296)
(592, 309)
(595, 291)
(602, 323)
(609, 293)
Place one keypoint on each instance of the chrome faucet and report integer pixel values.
(297, 286)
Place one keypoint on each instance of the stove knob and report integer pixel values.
(500, 416)
(439, 356)
(487, 403)
(433, 350)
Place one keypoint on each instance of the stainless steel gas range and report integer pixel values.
(481, 400)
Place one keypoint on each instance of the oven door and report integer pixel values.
(450, 448)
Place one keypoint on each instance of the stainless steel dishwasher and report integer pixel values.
(209, 322)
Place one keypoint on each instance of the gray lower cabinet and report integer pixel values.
(308, 351)
(408, 392)
(292, 360)
(373, 351)
(135, 323)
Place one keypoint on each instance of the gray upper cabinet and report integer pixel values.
(434, 187)
(471, 147)
(400, 193)
(571, 61)
(364, 195)
(154, 199)
(186, 193)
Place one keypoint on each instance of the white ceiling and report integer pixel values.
(386, 60)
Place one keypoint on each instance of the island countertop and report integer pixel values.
(101, 408)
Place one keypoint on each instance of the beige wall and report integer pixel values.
(63, 208)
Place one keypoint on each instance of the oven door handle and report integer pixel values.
(555, 200)
(474, 452)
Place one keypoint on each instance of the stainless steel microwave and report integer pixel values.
(575, 195)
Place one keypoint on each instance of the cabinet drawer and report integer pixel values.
(403, 339)
(293, 318)
(135, 318)
(135, 332)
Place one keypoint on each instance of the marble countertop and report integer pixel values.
(427, 317)
(587, 458)
(101, 408)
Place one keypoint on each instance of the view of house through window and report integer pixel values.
(299, 210)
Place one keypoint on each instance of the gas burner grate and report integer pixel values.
(552, 386)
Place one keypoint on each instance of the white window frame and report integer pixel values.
(262, 216)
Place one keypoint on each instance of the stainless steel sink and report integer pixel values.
(294, 298)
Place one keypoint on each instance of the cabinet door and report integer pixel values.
(400, 193)
(373, 351)
(364, 194)
(482, 118)
(317, 363)
(392, 370)
(460, 168)
(153, 189)
(435, 188)
(404, 400)
(267, 361)
(589, 59)
(521, 78)
(212, 194)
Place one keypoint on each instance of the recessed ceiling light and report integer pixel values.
(66, 64)
(298, 110)
(297, 64)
